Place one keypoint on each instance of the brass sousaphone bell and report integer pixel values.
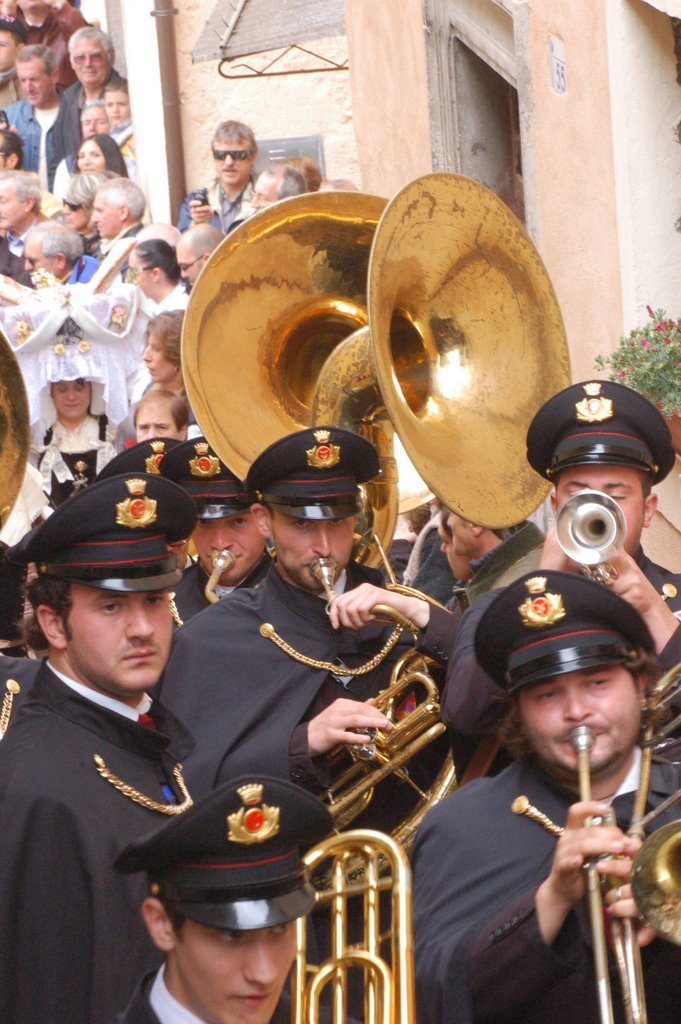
(465, 339)
(274, 300)
(14, 429)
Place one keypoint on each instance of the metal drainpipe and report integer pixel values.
(164, 12)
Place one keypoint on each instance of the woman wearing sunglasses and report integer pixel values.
(78, 201)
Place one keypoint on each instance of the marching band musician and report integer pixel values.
(595, 435)
(226, 884)
(269, 678)
(224, 523)
(90, 761)
(501, 931)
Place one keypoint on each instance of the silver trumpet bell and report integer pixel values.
(590, 529)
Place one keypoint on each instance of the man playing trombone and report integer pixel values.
(502, 932)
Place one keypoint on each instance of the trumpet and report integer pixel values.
(590, 529)
(222, 561)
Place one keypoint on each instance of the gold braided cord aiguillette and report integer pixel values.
(146, 801)
(521, 805)
(267, 630)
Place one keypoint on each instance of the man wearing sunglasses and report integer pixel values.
(227, 201)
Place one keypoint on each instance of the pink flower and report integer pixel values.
(645, 343)
(665, 341)
(650, 311)
(621, 374)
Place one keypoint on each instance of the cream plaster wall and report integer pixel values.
(390, 103)
(571, 188)
(647, 112)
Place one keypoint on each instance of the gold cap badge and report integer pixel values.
(203, 464)
(255, 821)
(594, 408)
(543, 609)
(324, 455)
(137, 510)
(153, 461)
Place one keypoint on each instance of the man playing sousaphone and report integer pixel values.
(502, 932)
(269, 678)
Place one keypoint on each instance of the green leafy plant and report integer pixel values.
(648, 360)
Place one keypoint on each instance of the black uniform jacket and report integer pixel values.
(243, 697)
(479, 953)
(190, 594)
(469, 700)
(72, 938)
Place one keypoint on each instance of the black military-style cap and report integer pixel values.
(314, 473)
(143, 457)
(546, 624)
(233, 859)
(13, 25)
(599, 422)
(113, 534)
(215, 490)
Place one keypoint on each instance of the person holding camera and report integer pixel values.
(227, 201)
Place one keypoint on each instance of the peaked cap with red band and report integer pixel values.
(214, 489)
(233, 859)
(548, 623)
(113, 535)
(314, 473)
(599, 422)
(143, 457)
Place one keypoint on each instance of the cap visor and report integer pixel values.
(246, 915)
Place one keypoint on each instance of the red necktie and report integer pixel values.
(147, 720)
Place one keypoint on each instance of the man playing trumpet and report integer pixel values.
(501, 926)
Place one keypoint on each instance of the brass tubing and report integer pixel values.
(582, 738)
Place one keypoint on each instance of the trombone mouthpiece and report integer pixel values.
(582, 738)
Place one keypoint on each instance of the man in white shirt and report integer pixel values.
(33, 117)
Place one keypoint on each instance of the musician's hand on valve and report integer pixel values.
(353, 609)
(344, 721)
(566, 883)
(619, 898)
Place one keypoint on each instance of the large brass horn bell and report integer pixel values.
(14, 429)
(275, 298)
(468, 343)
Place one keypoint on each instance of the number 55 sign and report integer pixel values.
(558, 65)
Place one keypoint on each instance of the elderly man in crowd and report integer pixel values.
(278, 181)
(35, 116)
(60, 251)
(19, 207)
(117, 211)
(228, 198)
(92, 56)
(193, 251)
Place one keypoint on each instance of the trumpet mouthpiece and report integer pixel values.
(325, 570)
(582, 737)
